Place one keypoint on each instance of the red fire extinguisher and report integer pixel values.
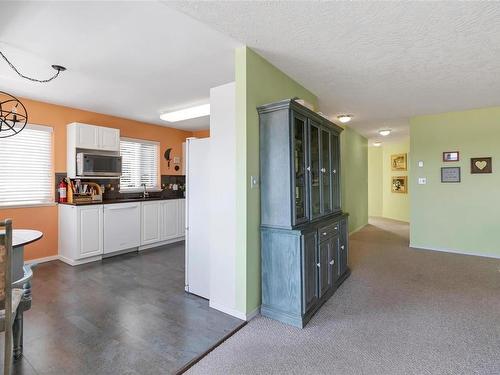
(61, 188)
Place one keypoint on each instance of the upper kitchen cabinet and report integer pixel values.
(300, 160)
(93, 137)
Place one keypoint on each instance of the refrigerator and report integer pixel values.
(197, 210)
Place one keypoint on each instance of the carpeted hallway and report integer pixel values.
(402, 311)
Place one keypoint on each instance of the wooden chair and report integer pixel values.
(9, 297)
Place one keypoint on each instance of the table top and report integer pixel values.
(21, 237)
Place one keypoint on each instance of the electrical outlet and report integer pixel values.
(422, 181)
(420, 163)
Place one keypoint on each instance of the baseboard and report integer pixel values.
(357, 229)
(162, 243)
(252, 314)
(72, 262)
(42, 260)
(453, 251)
(234, 312)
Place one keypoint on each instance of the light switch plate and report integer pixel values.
(254, 182)
(420, 163)
(422, 181)
(177, 160)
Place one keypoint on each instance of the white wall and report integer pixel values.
(222, 213)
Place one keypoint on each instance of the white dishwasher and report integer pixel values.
(122, 226)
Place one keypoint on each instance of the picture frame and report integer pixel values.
(451, 156)
(481, 165)
(399, 184)
(450, 175)
(399, 162)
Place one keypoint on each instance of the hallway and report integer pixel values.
(402, 311)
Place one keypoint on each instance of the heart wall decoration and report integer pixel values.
(480, 165)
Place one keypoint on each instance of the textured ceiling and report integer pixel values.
(381, 61)
(129, 59)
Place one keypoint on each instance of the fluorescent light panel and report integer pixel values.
(187, 113)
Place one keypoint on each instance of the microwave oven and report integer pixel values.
(91, 165)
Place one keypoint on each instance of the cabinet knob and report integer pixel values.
(342, 247)
(334, 171)
(324, 233)
(308, 169)
(332, 262)
(318, 264)
(336, 228)
(323, 170)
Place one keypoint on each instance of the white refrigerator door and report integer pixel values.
(197, 206)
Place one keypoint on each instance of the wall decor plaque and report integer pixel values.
(398, 162)
(399, 184)
(450, 174)
(451, 156)
(480, 165)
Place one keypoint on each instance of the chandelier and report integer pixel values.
(13, 115)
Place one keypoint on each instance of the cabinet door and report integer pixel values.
(326, 172)
(333, 256)
(323, 267)
(343, 251)
(87, 136)
(314, 169)
(90, 231)
(335, 171)
(109, 139)
(299, 169)
(310, 268)
(182, 217)
(150, 223)
(170, 219)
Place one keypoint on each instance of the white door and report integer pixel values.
(150, 223)
(87, 136)
(90, 231)
(182, 217)
(122, 226)
(109, 139)
(170, 219)
(197, 201)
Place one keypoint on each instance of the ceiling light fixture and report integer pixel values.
(384, 132)
(57, 68)
(187, 113)
(377, 143)
(13, 115)
(344, 118)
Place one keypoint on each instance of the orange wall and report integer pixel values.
(201, 133)
(45, 218)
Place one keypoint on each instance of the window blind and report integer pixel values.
(26, 174)
(139, 164)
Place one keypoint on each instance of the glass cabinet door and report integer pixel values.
(299, 169)
(326, 172)
(335, 171)
(314, 170)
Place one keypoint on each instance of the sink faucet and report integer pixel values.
(145, 194)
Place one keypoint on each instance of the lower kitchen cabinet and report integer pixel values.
(302, 268)
(80, 232)
(87, 232)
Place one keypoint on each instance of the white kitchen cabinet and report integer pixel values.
(150, 222)
(109, 139)
(170, 222)
(122, 226)
(182, 217)
(80, 233)
(86, 136)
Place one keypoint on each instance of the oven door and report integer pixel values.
(100, 165)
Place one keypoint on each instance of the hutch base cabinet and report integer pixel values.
(304, 233)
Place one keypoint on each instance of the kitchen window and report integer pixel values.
(26, 171)
(139, 164)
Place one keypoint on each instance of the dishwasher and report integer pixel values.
(122, 227)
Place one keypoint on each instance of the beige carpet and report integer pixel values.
(402, 311)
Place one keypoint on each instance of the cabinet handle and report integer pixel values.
(323, 170)
(324, 233)
(332, 262)
(319, 265)
(342, 247)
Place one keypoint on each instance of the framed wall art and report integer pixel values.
(480, 165)
(399, 184)
(451, 156)
(450, 174)
(398, 162)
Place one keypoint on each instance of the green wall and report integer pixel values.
(257, 82)
(354, 174)
(375, 181)
(395, 205)
(462, 217)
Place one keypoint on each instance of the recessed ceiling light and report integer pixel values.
(187, 113)
(344, 118)
(384, 132)
(377, 143)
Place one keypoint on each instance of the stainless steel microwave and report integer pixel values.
(89, 165)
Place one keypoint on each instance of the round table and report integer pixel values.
(22, 275)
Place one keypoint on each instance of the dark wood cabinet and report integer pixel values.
(304, 241)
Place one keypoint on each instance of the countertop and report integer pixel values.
(122, 200)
